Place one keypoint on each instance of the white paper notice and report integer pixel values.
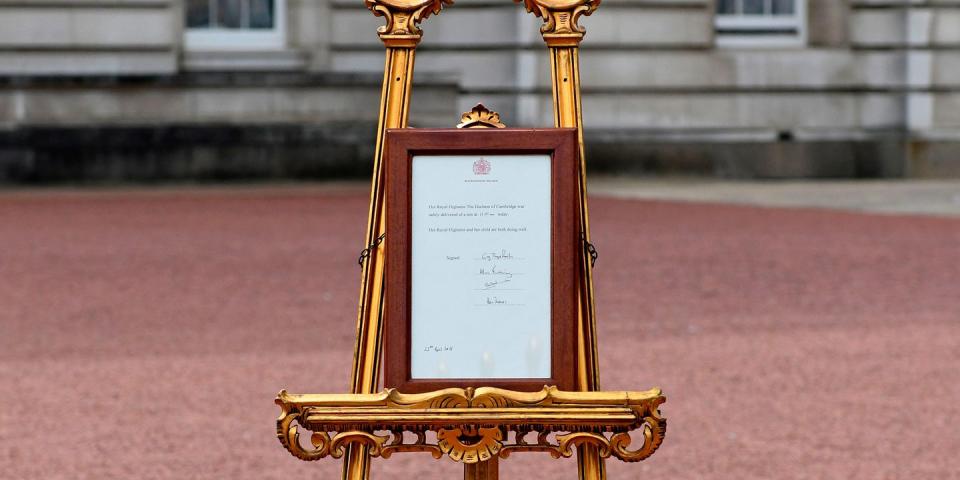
(480, 267)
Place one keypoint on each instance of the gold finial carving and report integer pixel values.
(561, 19)
(403, 18)
(480, 117)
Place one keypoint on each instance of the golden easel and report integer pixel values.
(455, 414)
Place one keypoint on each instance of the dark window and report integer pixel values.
(231, 14)
(756, 7)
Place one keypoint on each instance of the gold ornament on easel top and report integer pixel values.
(561, 17)
(404, 16)
(480, 117)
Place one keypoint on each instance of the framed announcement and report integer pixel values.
(481, 259)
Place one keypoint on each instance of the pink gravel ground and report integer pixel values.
(144, 334)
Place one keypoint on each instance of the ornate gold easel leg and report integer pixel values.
(393, 113)
(563, 36)
(400, 35)
(566, 81)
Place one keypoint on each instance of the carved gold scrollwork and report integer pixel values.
(447, 398)
(290, 437)
(654, 429)
(373, 442)
(561, 17)
(474, 425)
(420, 445)
(567, 443)
(403, 16)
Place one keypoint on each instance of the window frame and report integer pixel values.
(227, 39)
(739, 26)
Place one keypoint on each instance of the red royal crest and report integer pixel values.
(481, 167)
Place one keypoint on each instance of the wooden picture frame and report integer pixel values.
(402, 146)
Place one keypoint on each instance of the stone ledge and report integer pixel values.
(879, 157)
(215, 79)
(151, 153)
(39, 155)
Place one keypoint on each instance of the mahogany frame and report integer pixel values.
(401, 146)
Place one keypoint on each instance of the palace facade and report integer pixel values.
(160, 89)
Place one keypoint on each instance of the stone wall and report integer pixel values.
(196, 126)
(875, 91)
(88, 37)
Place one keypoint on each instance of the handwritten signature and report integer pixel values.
(491, 284)
(494, 271)
(501, 255)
